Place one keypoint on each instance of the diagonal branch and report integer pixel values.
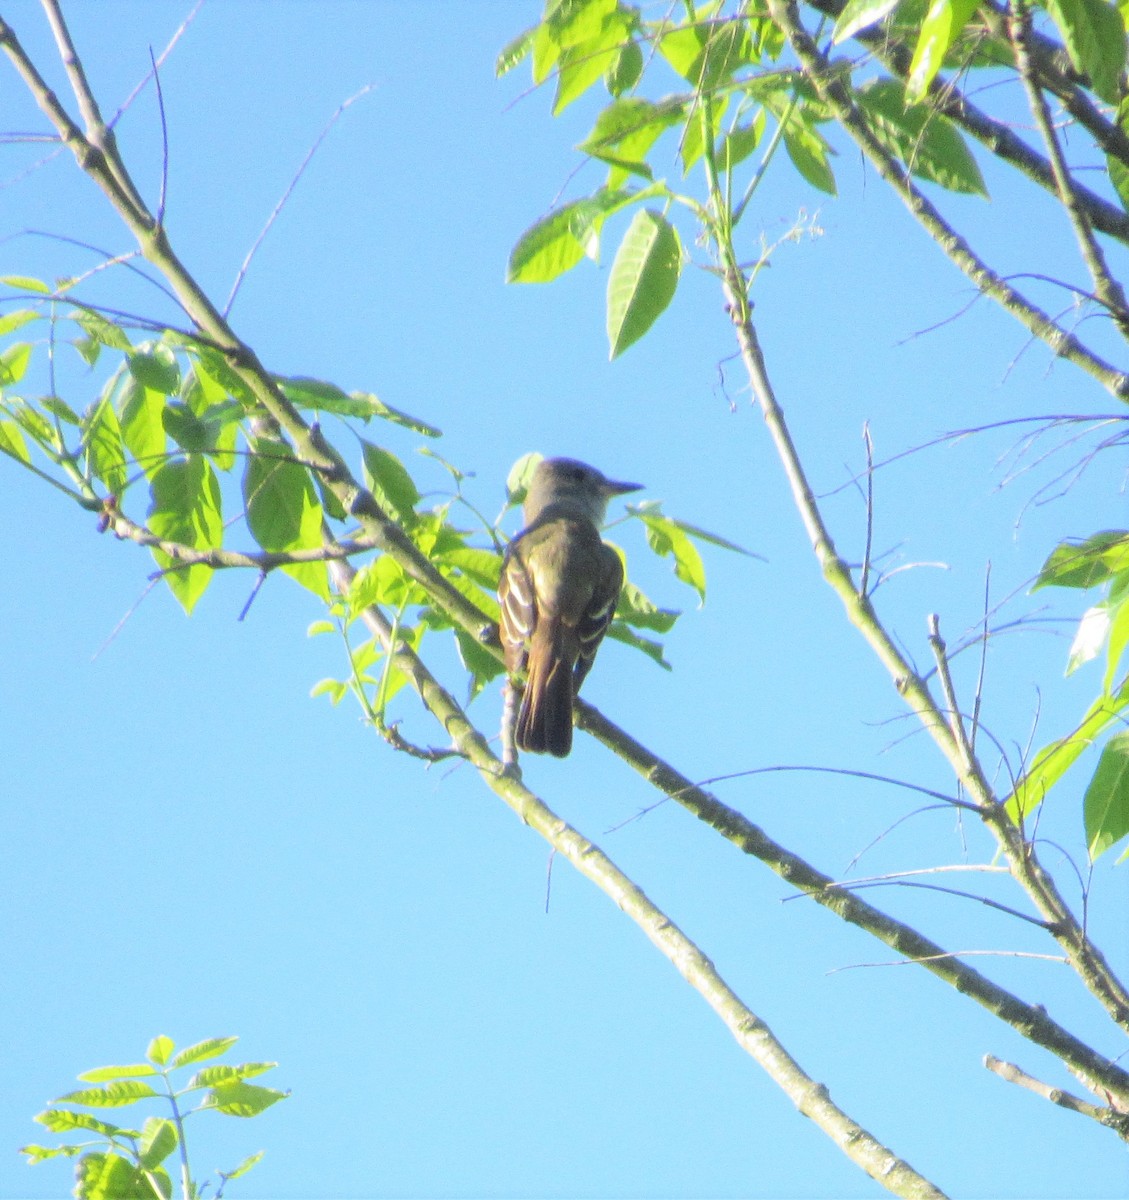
(752, 1034)
(1109, 292)
(824, 75)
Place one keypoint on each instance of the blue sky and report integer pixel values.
(195, 847)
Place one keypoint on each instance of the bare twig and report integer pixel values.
(277, 210)
(1110, 1117)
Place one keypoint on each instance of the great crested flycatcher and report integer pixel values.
(558, 592)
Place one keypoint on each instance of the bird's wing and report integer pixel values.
(598, 615)
(519, 610)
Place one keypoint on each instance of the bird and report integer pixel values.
(558, 590)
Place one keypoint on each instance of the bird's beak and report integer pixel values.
(611, 488)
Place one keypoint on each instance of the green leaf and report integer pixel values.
(103, 331)
(942, 26)
(158, 1140)
(514, 52)
(1089, 638)
(16, 320)
(927, 142)
(483, 566)
(589, 47)
(1118, 169)
(105, 453)
(319, 396)
(667, 539)
(156, 368)
(1095, 40)
(627, 129)
(132, 1071)
(159, 1049)
(202, 1051)
(618, 631)
(31, 421)
(185, 427)
(110, 1177)
(477, 660)
(64, 1120)
(12, 441)
(518, 480)
(283, 512)
(221, 1073)
(37, 1154)
(58, 407)
(242, 1099)
(1106, 804)
(808, 151)
(1118, 606)
(636, 609)
(388, 480)
(860, 14)
(142, 425)
(186, 509)
(244, 1166)
(556, 243)
(626, 69)
(25, 283)
(113, 1095)
(13, 363)
(1054, 759)
(1088, 563)
(335, 689)
(740, 142)
(643, 278)
(706, 54)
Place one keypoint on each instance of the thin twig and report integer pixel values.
(1010, 1073)
(277, 210)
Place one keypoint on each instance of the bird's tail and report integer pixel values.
(544, 723)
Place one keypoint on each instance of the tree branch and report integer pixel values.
(824, 76)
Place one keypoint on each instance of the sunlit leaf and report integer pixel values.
(13, 363)
(390, 483)
(186, 508)
(1094, 36)
(156, 368)
(860, 14)
(667, 539)
(942, 26)
(620, 632)
(1089, 638)
(141, 419)
(1088, 563)
(159, 1049)
(1054, 759)
(1106, 804)
(12, 441)
(283, 511)
(925, 140)
(202, 1051)
(625, 69)
(131, 1071)
(113, 1095)
(514, 51)
(643, 278)
(158, 1140)
(221, 1073)
(16, 320)
(242, 1099)
(111, 1177)
(244, 1166)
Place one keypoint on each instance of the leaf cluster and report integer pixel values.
(121, 1162)
(733, 97)
(1099, 562)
